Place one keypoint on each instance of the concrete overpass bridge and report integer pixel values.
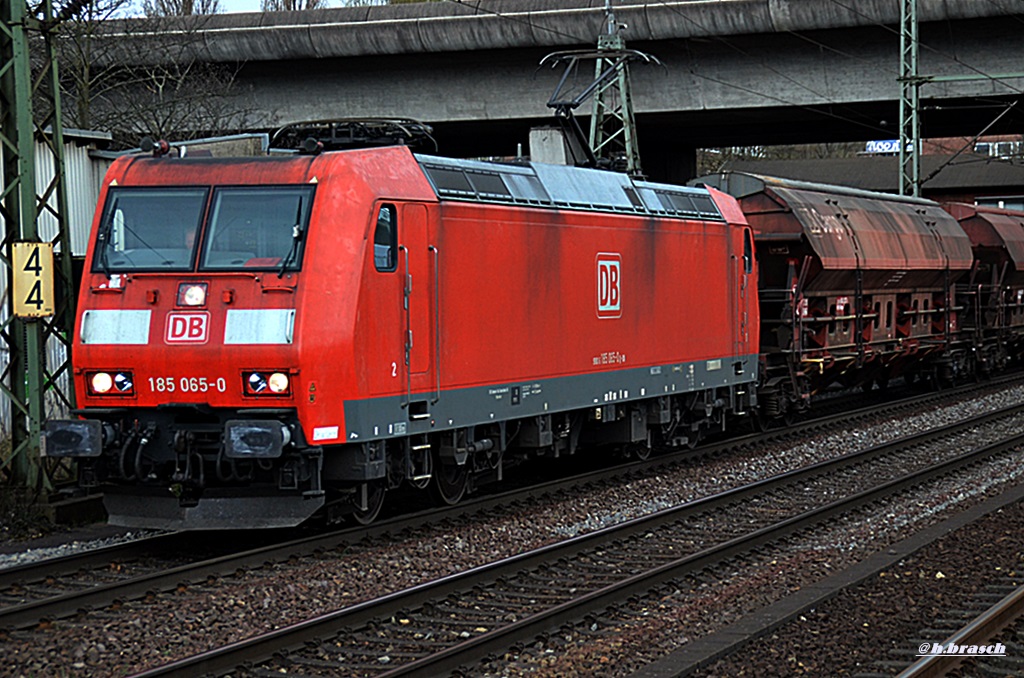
(736, 72)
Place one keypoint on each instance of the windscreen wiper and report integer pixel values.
(296, 238)
(102, 241)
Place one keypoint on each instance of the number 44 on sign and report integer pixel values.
(33, 279)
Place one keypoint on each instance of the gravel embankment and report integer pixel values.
(55, 546)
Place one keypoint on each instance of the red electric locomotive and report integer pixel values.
(260, 339)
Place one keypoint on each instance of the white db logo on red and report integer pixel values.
(609, 285)
(187, 328)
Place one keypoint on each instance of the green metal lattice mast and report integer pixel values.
(612, 142)
(612, 125)
(30, 125)
(910, 101)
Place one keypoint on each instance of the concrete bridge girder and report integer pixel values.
(482, 25)
(736, 71)
(721, 80)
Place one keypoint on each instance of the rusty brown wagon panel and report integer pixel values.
(880, 233)
(994, 229)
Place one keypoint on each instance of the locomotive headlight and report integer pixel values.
(267, 383)
(101, 382)
(123, 382)
(105, 383)
(192, 294)
(278, 382)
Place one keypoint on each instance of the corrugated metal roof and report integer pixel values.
(853, 229)
(849, 232)
(1005, 229)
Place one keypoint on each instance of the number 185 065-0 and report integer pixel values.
(187, 384)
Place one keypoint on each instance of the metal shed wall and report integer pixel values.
(84, 175)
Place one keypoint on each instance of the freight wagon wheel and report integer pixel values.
(375, 492)
(641, 451)
(450, 482)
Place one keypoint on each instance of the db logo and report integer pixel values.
(609, 285)
(187, 328)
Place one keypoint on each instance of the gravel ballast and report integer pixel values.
(143, 634)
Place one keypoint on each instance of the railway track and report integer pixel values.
(991, 632)
(56, 588)
(46, 590)
(459, 620)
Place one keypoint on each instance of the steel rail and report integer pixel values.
(61, 565)
(978, 632)
(260, 648)
(31, 612)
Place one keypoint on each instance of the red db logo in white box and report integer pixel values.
(187, 328)
(609, 285)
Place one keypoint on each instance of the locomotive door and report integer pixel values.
(420, 291)
(746, 270)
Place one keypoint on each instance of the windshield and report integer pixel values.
(156, 229)
(257, 228)
(146, 229)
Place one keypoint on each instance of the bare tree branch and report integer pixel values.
(291, 5)
(177, 96)
(154, 8)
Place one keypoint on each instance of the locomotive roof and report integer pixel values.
(542, 185)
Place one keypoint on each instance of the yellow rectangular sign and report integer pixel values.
(33, 279)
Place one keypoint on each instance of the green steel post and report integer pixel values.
(20, 224)
(612, 125)
(62, 324)
(25, 380)
(910, 101)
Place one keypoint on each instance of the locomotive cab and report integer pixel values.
(180, 278)
(215, 345)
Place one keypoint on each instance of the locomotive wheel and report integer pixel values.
(449, 482)
(640, 451)
(760, 421)
(375, 492)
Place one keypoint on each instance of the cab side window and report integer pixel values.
(385, 239)
(748, 252)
